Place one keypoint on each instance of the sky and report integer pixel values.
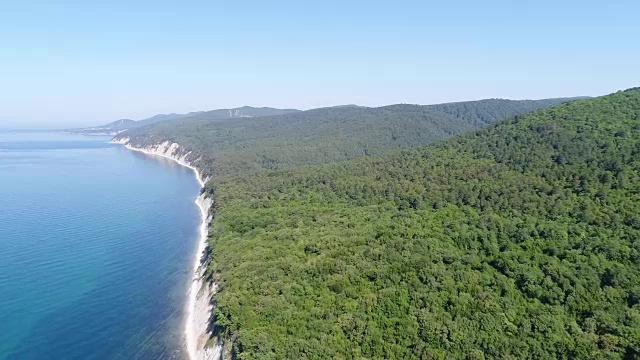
(81, 63)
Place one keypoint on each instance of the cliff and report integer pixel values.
(199, 303)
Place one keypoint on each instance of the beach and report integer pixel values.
(198, 308)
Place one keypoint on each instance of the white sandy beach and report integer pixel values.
(198, 306)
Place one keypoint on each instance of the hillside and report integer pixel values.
(241, 112)
(324, 135)
(519, 240)
(491, 110)
(112, 128)
(119, 126)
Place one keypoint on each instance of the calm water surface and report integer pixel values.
(96, 246)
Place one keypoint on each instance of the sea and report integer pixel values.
(96, 248)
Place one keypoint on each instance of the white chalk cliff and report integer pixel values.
(199, 306)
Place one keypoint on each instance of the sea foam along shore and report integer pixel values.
(198, 307)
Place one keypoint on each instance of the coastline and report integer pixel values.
(198, 306)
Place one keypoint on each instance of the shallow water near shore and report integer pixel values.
(96, 249)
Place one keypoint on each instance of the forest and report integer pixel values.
(317, 136)
(519, 239)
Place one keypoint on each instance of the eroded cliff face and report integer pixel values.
(199, 301)
(121, 141)
(167, 149)
(199, 304)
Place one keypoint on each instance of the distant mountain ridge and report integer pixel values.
(324, 135)
(241, 112)
(118, 126)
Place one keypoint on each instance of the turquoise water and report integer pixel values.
(96, 247)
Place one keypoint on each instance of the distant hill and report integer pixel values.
(163, 117)
(118, 126)
(242, 112)
(111, 128)
(326, 134)
(346, 106)
(491, 110)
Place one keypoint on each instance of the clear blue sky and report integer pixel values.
(85, 62)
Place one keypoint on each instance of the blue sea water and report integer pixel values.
(96, 249)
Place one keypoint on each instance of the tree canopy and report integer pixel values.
(317, 136)
(520, 240)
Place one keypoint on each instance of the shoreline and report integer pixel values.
(198, 308)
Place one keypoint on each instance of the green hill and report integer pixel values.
(519, 240)
(118, 126)
(241, 112)
(324, 135)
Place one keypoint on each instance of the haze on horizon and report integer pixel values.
(67, 63)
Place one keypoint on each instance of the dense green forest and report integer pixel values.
(324, 135)
(519, 240)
